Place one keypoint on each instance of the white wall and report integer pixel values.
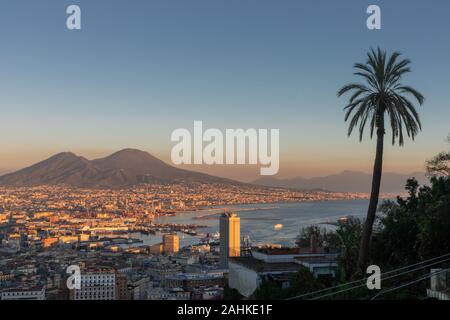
(242, 279)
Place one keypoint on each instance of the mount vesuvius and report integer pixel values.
(124, 168)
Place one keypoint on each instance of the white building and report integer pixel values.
(247, 273)
(96, 286)
(438, 285)
(37, 293)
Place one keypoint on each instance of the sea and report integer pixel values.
(258, 221)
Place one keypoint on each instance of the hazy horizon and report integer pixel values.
(244, 173)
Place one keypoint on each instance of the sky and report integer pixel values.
(137, 70)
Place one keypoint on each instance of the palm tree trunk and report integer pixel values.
(364, 247)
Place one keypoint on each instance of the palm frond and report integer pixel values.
(380, 93)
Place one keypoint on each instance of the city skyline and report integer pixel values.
(166, 66)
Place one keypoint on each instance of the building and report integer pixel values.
(170, 294)
(247, 273)
(230, 238)
(35, 293)
(191, 281)
(438, 285)
(122, 287)
(171, 243)
(49, 242)
(156, 249)
(208, 294)
(96, 285)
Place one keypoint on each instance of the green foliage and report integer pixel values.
(301, 282)
(231, 294)
(348, 237)
(409, 230)
(345, 239)
(270, 290)
(320, 235)
(414, 228)
(439, 165)
(381, 94)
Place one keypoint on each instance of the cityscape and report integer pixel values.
(243, 154)
(45, 229)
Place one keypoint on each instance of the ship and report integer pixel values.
(278, 227)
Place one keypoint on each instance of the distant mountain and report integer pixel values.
(129, 167)
(124, 168)
(346, 181)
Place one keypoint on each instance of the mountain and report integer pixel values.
(124, 168)
(129, 167)
(346, 181)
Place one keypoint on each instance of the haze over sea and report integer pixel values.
(259, 223)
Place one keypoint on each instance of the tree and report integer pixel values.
(346, 238)
(434, 210)
(398, 220)
(414, 228)
(440, 164)
(381, 95)
(270, 290)
(409, 230)
(301, 282)
(231, 294)
(313, 232)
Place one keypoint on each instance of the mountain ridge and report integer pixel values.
(126, 167)
(345, 181)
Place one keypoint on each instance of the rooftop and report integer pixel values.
(261, 266)
(288, 251)
(194, 276)
(24, 289)
(316, 260)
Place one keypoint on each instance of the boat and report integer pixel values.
(211, 238)
(278, 227)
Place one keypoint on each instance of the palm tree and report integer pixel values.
(380, 96)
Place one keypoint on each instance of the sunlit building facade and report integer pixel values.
(230, 237)
(171, 243)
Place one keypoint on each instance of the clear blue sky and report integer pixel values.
(139, 69)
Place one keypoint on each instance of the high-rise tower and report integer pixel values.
(171, 243)
(230, 237)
